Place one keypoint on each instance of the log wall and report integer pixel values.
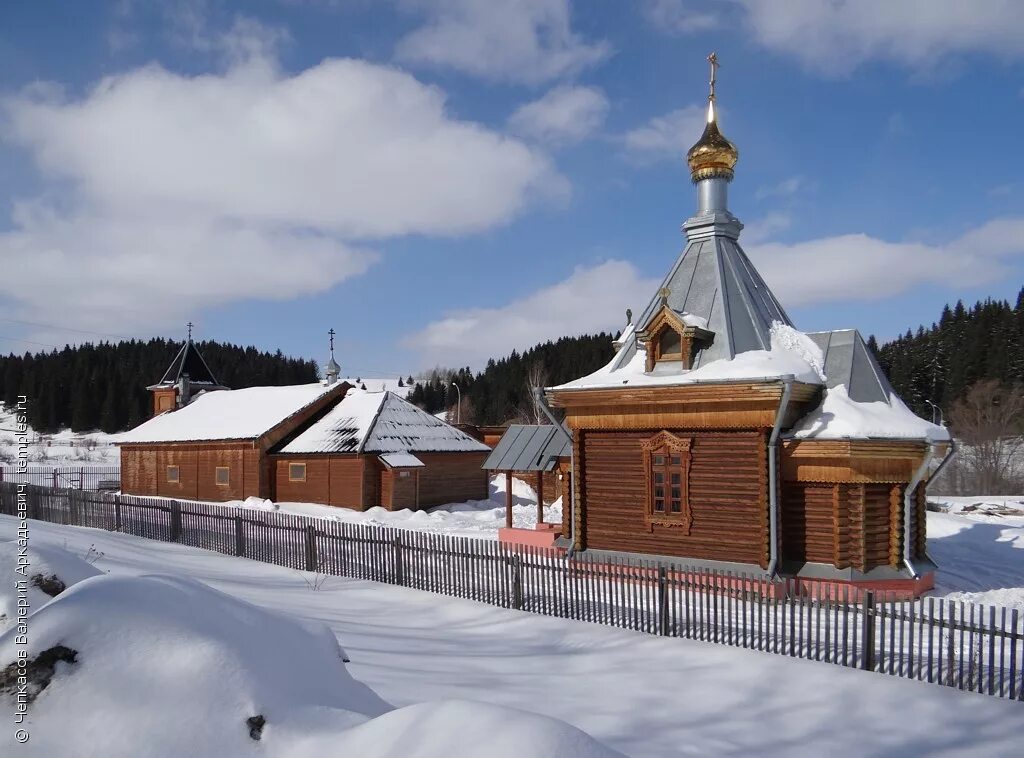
(727, 497)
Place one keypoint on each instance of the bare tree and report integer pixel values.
(988, 421)
(461, 409)
(530, 411)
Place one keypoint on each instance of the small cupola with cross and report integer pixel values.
(672, 338)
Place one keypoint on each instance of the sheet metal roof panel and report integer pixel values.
(401, 460)
(529, 448)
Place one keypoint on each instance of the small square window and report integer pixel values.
(173, 474)
(675, 479)
(296, 472)
(659, 505)
(659, 460)
(223, 476)
(677, 506)
(676, 460)
(659, 477)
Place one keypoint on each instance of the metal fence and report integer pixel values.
(66, 477)
(968, 647)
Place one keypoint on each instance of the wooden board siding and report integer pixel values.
(725, 497)
(163, 400)
(331, 480)
(147, 470)
(452, 478)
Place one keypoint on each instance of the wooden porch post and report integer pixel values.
(540, 497)
(508, 499)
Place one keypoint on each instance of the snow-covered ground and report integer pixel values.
(641, 695)
(475, 518)
(978, 544)
(65, 448)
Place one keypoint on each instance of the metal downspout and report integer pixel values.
(543, 403)
(908, 495)
(773, 478)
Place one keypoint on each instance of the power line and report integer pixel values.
(62, 329)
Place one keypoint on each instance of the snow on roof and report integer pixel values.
(228, 414)
(401, 460)
(792, 353)
(380, 422)
(839, 417)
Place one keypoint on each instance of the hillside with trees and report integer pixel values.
(938, 364)
(103, 386)
(503, 390)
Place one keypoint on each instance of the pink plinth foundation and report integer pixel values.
(544, 535)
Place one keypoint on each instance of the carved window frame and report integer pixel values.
(667, 460)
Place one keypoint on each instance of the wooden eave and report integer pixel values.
(851, 461)
(736, 405)
(674, 394)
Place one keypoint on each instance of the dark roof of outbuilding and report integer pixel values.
(529, 448)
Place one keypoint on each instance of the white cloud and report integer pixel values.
(590, 300)
(837, 36)
(667, 136)
(766, 227)
(857, 267)
(679, 16)
(180, 192)
(524, 41)
(563, 114)
(785, 188)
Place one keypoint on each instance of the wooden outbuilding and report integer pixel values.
(376, 448)
(215, 447)
(721, 436)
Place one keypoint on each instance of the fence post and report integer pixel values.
(399, 566)
(517, 583)
(53, 475)
(117, 513)
(239, 536)
(662, 601)
(311, 557)
(175, 521)
(81, 477)
(868, 632)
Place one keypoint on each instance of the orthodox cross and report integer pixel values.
(331, 332)
(713, 60)
(189, 325)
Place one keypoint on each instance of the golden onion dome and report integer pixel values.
(713, 155)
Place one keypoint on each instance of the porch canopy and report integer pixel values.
(526, 447)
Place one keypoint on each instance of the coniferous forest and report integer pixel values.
(939, 363)
(103, 386)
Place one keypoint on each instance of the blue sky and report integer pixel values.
(442, 181)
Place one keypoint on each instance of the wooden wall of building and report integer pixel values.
(331, 480)
(849, 525)
(452, 478)
(144, 471)
(728, 496)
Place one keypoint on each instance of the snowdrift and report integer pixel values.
(163, 666)
(49, 571)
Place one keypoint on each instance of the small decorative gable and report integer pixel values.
(671, 336)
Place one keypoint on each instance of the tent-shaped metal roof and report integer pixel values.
(715, 281)
(191, 362)
(529, 448)
(849, 361)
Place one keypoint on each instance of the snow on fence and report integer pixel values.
(69, 477)
(974, 648)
